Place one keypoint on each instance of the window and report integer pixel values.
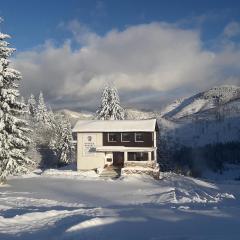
(126, 137)
(112, 137)
(139, 137)
(137, 156)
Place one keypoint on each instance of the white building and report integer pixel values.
(117, 143)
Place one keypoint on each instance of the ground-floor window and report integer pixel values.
(137, 156)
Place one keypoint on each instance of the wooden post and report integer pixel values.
(125, 156)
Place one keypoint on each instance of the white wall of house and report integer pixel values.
(87, 157)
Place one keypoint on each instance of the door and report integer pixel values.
(118, 159)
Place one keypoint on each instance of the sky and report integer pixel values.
(153, 51)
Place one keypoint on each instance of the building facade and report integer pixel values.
(126, 144)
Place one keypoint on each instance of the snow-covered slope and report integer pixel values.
(73, 116)
(223, 98)
(134, 114)
(131, 114)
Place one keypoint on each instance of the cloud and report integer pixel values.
(149, 64)
(82, 34)
(232, 29)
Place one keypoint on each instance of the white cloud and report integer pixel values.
(232, 29)
(159, 59)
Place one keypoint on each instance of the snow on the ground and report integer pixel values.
(63, 204)
(71, 174)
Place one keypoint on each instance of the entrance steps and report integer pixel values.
(110, 172)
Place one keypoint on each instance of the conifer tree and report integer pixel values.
(61, 143)
(117, 112)
(42, 114)
(31, 105)
(110, 108)
(13, 130)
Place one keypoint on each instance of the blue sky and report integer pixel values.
(177, 47)
(32, 22)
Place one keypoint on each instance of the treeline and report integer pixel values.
(51, 138)
(28, 132)
(194, 160)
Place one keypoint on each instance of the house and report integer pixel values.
(129, 145)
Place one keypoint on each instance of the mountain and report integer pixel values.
(132, 113)
(208, 104)
(73, 116)
(211, 116)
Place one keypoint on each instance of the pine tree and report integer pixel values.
(24, 107)
(61, 143)
(110, 108)
(103, 111)
(13, 130)
(31, 105)
(42, 114)
(117, 112)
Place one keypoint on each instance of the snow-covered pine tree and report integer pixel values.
(13, 130)
(110, 108)
(42, 114)
(31, 105)
(117, 112)
(61, 143)
(102, 112)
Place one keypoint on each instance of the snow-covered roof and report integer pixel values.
(148, 125)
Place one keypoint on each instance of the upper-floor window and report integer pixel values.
(112, 137)
(139, 137)
(126, 137)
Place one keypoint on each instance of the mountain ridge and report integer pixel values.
(208, 104)
(214, 98)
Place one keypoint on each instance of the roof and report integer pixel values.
(148, 125)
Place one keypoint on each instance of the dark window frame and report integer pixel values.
(135, 137)
(115, 138)
(122, 137)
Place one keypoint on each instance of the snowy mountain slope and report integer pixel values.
(170, 107)
(73, 116)
(132, 114)
(218, 97)
(200, 133)
(209, 117)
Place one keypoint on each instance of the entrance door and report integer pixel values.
(118, 159)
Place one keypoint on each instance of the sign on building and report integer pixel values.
(89, 144)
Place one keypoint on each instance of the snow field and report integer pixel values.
(48, 206)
